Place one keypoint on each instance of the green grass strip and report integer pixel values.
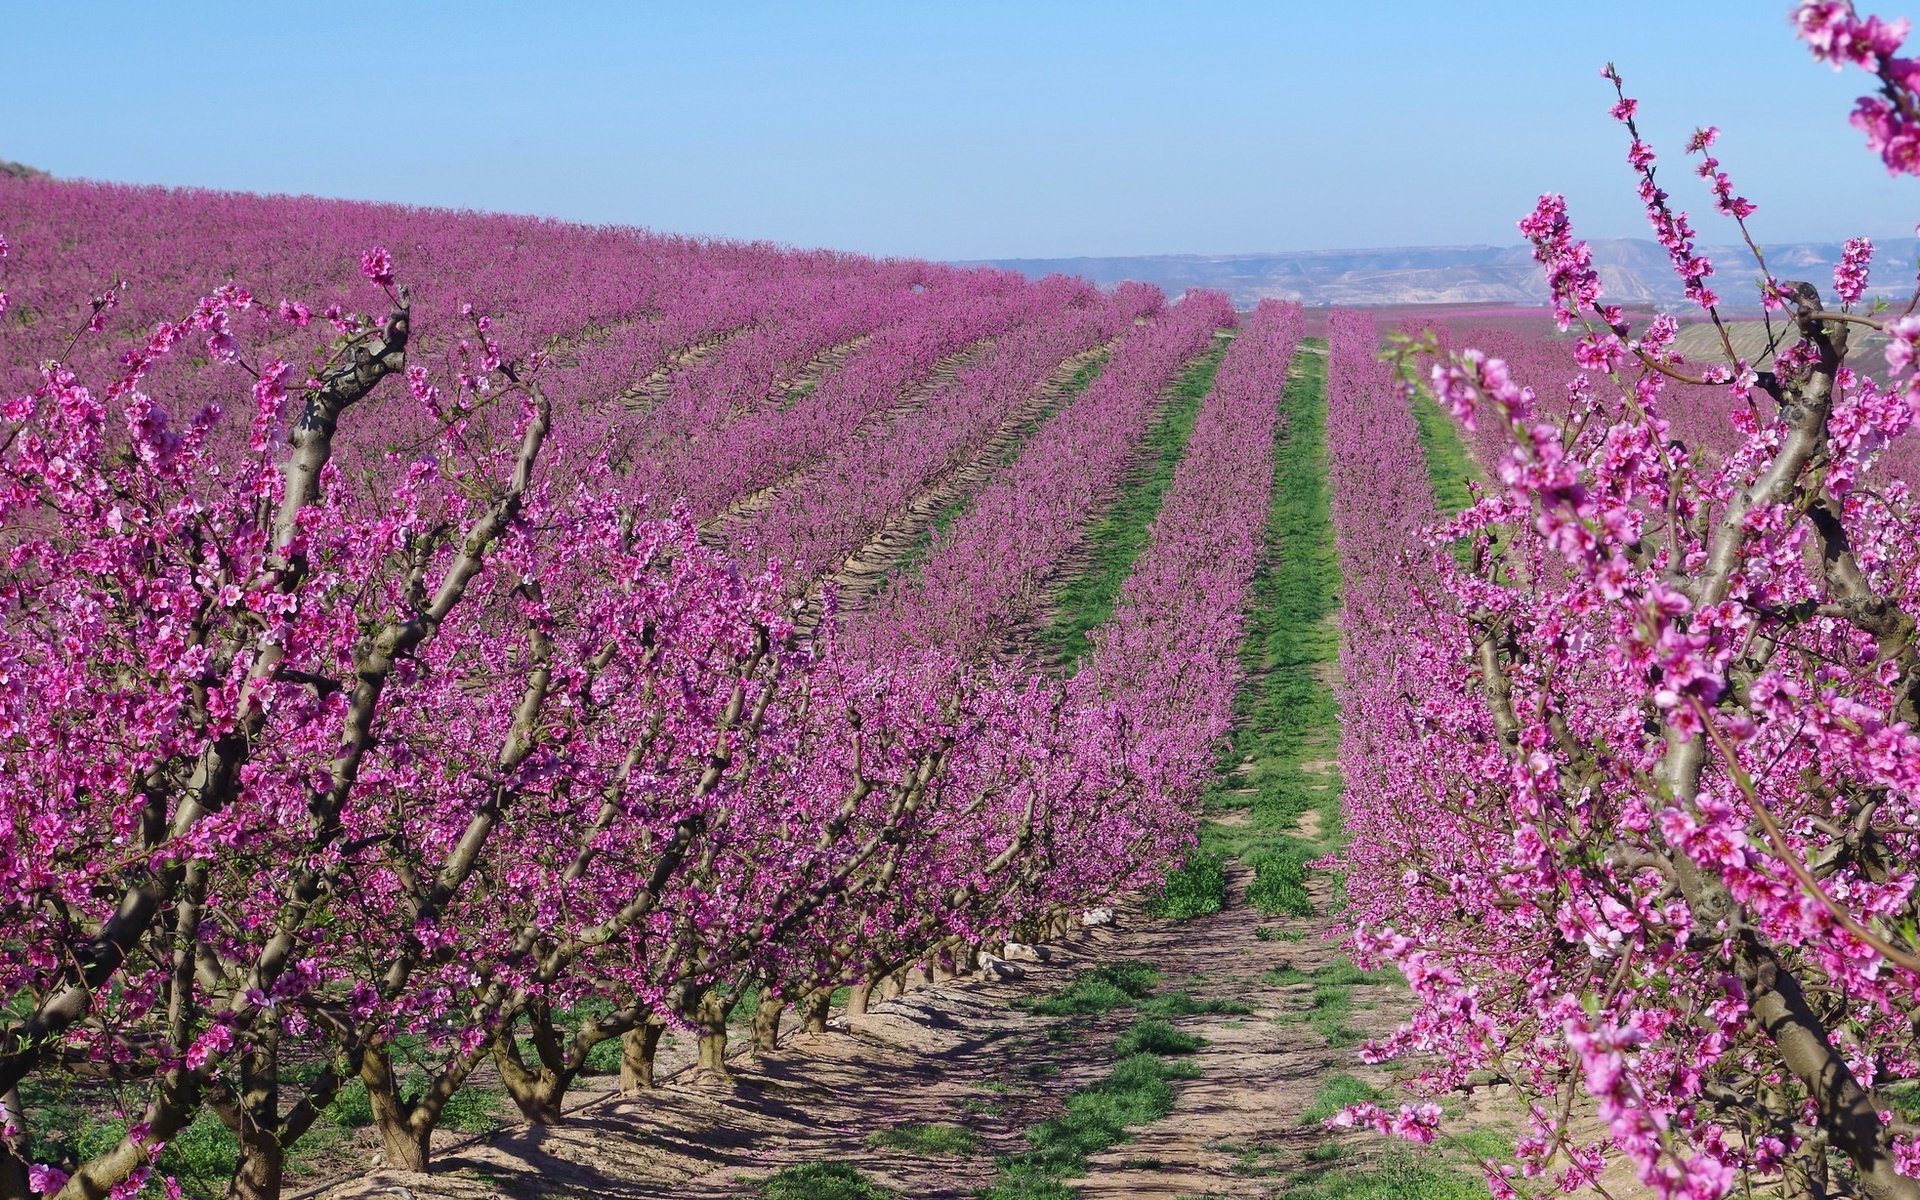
(1287, 715)
(1449, 466)
(1139, 1090)
(1116, 540)
(1395, 1172)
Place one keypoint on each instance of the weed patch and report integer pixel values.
(1153, 1035)
(1182, 1004)
(821, 1181)
(1139, 1090)
(1337, 1092)
(1196, 888)
(932, 1138)
(1101, 990)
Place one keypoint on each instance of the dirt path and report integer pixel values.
(958, 1053)
(659, 382)
(865, 571)
(722, 524)
(1238, 1129)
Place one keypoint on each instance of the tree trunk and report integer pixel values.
(766, 1022)
(1805, 1174)
(13, 1168)
(637, 1049)
(536, 1091)
(255, 1123)
(261, 1166)
(816, 1007)
(859, 998)
(403, 1138)
(711, 1014)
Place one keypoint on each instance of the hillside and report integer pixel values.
(1635, 271)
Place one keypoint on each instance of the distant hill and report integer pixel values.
(1634, 270)
(14, 170)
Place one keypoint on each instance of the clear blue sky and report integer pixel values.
(956, 130)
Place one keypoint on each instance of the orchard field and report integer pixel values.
(491, 706)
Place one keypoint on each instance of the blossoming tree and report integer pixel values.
(1636, 791)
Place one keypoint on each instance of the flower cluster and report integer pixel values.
(1631, 745)
(1891, 120)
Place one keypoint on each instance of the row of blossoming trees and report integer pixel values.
(377, 707)
(1635, 780)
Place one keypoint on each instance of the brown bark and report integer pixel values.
(1847, 1113)
(711, 1051)
(13, 1168)
(766, 1022)
(859, 998)
(945, 965)
(402, 1137)
(261, 1167)
(536, 1090)
(1806, 1175)
(254, 1119)
(637, 1050)
(816, 1007)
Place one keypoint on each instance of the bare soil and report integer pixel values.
(659, 382)
(914, 397)
(865, 571)
(956, 1052)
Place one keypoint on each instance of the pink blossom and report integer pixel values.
(377, 266)
(1850, 277)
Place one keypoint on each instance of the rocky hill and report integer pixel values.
(1635, 272)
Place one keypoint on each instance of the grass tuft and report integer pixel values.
(1101, 990)
(1182, 1004)
(1153, 1035)
(930, 1138)
(1139, 1090)
(821, 1181)
(1337, 1092)
(1196, 888)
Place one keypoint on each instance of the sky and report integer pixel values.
(978, 129)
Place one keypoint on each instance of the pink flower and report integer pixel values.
(215, 1041)
(377, 265)
(1850, 277)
